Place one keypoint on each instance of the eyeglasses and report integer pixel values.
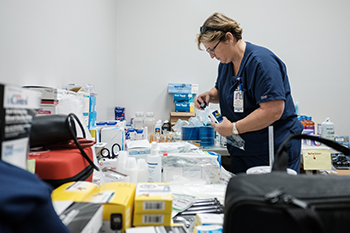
(211, 51)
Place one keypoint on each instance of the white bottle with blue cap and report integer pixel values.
(154, 163)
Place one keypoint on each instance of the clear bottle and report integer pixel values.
(150, 123)
(154, 162)
(138, 120)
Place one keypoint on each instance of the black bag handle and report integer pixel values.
(281, 156)
(71, 128)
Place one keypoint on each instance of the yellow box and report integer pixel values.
(153, 204)
(153, 198)
(117, 199)
(74, 191)
(145, 219)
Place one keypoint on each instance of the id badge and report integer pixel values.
(238, 103)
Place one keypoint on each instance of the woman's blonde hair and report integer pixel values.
(222, 22)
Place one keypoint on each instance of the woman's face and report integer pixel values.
(219, 50)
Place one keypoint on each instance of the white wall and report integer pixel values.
(156, 45)
(53, 43)
(131, 49)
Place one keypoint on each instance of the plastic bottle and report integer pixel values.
(138, 120)
(327, 129)
(131, 169)
(121, 161)
(154, 162)
(150, 123)
(158, 128)
(166, 127)
(310, 124)
(142, 175)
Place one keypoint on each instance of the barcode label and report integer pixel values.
(153, 205)
(153, 218)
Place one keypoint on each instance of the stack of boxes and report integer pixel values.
(183, 99)
(89, 99)
(50, 98)
(60, 101)
(153, 205)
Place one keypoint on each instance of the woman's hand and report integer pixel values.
(204, 97)
(224, 128)
(211, 96)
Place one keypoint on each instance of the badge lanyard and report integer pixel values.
(238, 98)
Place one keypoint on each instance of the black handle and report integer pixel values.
(70, 123)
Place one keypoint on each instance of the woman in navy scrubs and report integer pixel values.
(253, 91)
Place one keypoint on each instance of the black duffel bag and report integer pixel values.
(282, 203)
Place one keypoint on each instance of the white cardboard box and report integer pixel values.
(16, 112)
(111, 135)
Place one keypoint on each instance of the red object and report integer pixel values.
(59, 166)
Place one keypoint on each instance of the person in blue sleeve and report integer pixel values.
(253, 91)
(26, 204)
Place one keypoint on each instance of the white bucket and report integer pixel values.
(267, 169)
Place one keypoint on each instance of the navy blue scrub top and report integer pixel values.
(263, 77)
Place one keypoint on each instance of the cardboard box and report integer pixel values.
(111, 135)
(185, 116)
(316, 158)
(146, 219)
(139, 148)
(49, 95)
(153, 204)
(183, 88)
(17, 107)
(184, 107)
(117, 199)
(47, 109)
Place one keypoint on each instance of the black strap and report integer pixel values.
(281, 156)
(70, 120)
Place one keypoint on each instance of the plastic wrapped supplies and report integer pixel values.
(189, 168)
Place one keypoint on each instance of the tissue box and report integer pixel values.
(183, 88)
(183, 97)
(184, 107)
